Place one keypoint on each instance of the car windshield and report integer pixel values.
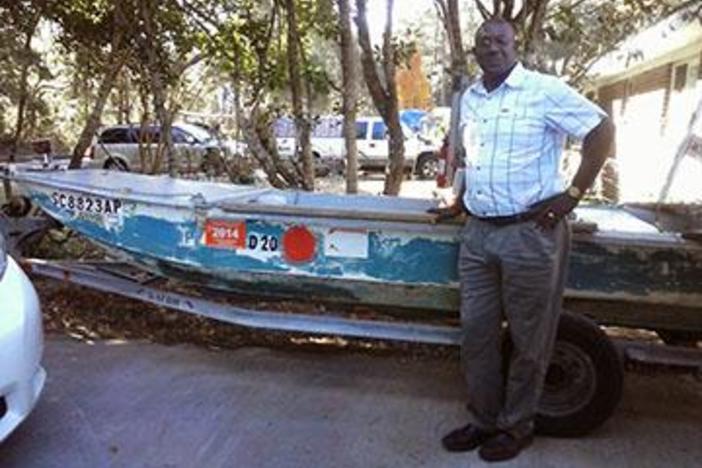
(200, 133)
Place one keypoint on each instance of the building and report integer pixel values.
(650, 86)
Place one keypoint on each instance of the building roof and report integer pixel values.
(670, 39)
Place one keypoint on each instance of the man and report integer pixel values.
(515, 244)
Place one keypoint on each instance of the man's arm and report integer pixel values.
(597, 146)
(459, 111)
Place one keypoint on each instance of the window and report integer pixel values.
(361, 130)
(179, 136)
(378, 131)
(150, 135)
(116, 136)
(284, 128)
(680, 78)
(328, 128)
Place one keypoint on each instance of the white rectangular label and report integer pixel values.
(346, 243)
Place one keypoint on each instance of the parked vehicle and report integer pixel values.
(21, 344)
(374, 151)
(131, 148)
(329, 147)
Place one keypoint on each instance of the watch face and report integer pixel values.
(574, 191)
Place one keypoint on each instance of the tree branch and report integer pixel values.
(375, 86)
(482, 9)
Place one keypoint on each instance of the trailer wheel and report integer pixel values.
(584, 380)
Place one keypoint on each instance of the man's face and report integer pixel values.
(494, 47)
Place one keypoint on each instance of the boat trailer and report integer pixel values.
(125, 280)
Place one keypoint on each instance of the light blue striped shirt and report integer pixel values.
(514, 138)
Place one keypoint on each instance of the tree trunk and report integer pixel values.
(534, 37)
(449, 14)
(261, 144)
(114, 65)
(125, 108)
(22, 103)
(302, 121)
(393, 183)
(349, 104)
(165, 119)
(23, 94)
(384, 97)
(158, 91)
(450, 18)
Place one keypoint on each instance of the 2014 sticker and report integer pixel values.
(225, 234)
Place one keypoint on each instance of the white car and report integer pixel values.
(21, 344)
(125, 147)
(329, 146)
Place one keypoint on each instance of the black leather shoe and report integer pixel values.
(465, 438)
(504, 446)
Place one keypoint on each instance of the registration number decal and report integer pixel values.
(86, 203)
(263, 242)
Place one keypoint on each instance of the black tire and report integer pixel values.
(212, 163)
(427, 166)
(584, 380)
(115, 164)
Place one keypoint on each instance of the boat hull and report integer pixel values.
(375, 251)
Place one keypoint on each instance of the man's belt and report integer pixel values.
(532, 213)
(512, 219)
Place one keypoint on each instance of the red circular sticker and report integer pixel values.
(299, 244)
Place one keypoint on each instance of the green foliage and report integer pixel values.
(23, 70)
(404, 46)
(578, 33)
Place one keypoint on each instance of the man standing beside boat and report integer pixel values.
(515, 244)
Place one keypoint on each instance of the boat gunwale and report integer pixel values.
(197, 202)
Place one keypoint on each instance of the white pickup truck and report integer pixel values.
(329, 147)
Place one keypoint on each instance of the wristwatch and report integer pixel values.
(574, 192)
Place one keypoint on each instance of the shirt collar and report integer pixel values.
(514, 80)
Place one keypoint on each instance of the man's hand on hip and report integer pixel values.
(552, 213)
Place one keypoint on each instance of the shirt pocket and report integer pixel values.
(524, 128)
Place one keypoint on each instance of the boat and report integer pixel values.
(374, 251)
(356, 249)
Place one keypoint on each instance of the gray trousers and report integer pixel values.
(514, 272)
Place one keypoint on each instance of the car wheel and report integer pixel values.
(116, 164)
(427, 166)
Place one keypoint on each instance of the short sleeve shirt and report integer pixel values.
(514, 138)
